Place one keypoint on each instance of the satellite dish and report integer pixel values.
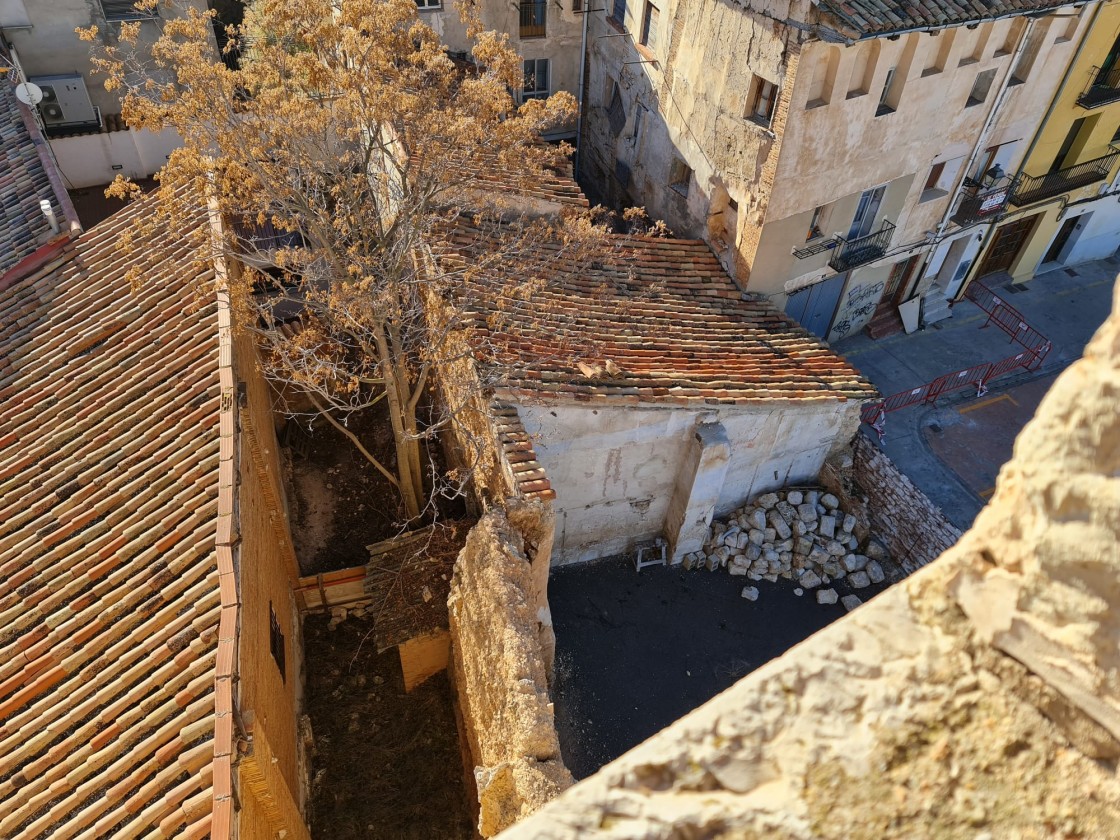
(29, 93)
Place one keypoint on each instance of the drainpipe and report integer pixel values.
(580, 97)
(1034, 140)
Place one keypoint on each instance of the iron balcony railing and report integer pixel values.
(532, 18)
(850, 253)
(979, 202)
(1031, 188)
(1103, 87)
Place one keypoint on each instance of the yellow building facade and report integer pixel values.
(1063, 204)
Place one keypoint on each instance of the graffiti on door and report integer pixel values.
(857, 307)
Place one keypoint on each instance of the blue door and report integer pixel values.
(814, 306)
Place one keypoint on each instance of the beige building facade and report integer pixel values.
(826, 155)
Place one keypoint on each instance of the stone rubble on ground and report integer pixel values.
(800, 535)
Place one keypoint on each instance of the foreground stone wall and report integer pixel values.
(978, 698)
(913, 528)
(501, 655)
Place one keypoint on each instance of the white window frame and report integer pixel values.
(429, 5)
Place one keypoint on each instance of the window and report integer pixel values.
(884, 106)
(577, 6)
(944, 47)
(980, 87)
(824, 77)
(616, 112)
(940, 180)
(863, 70)
(1029, 54)
(276, 641)
(1014, 33)
(618, 12)
(1070, 30)
(680, 176)
(980, 35)
(118, 10)
(533, 13)
(536, 79)
(815, 225)
(649, 26)
(764, 95)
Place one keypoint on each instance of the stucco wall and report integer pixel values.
(500, 666)
(614, 467)
(977, 698)
(88, 160)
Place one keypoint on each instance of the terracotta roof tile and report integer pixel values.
(870, 18)
(651, 320)
(109, 595)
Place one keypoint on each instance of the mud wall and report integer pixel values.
(501, 653)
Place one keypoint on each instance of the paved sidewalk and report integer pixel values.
(953, 450)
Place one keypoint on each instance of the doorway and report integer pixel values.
(1005, 248)
(866, 212)
(1063, 243)
(814, 306)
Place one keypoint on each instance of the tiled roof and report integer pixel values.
(650, 320)
(518, 453)
(882, 17)
(24, 182)
(109, 593)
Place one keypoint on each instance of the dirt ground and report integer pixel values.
(341, 502)
(387, 763)
(635, 652)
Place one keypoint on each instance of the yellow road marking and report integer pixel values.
(987, 494)
(985, 403)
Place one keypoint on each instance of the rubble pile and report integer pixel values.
(799, 535)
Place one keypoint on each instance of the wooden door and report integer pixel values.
(1007, 245)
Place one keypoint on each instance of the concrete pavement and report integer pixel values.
(952, 450)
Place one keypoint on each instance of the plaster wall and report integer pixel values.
(88, 160)
(614, 468)
(560, 44)
(50, 46)
(1100, 237)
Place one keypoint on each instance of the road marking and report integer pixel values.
(987, 494)
(985, 403)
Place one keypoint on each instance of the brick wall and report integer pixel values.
(889, 505)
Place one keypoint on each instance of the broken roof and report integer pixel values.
(109, 595)
(872, 18)
(650, 320)
(25, 180)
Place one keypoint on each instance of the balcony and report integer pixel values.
(532, 18)
(1028, 189)
(981, 203)
(855, 252)
(1103, 87)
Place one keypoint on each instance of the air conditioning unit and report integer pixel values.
(66, 101)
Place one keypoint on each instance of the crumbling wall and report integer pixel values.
(978, 698)
(888, 504)
(501, 656)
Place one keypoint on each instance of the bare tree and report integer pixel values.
(341, 148)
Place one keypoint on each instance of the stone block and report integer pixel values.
(812, 496)
(835, 548)
(795, 497)
(818, 554)
(750, 593)
(875, 549)
(779, 524)
(787, 511)
(850, 602)
(807, 513)
(827, 596)
(798, 591)
(853, 562)
(753, 552)
(756, 537)
(875, 571)
(810, 580)
(711, 562)
(832, 568)
(849, 523)
(800, 528)
(859, 580)
(767, 500)
(736, 569)
(757, 519)
(827, 526)
(830, 501)
(770, 534)
(803, 545)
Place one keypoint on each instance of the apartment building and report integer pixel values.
(1063, 206)
(825, 151)
(549, 36)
